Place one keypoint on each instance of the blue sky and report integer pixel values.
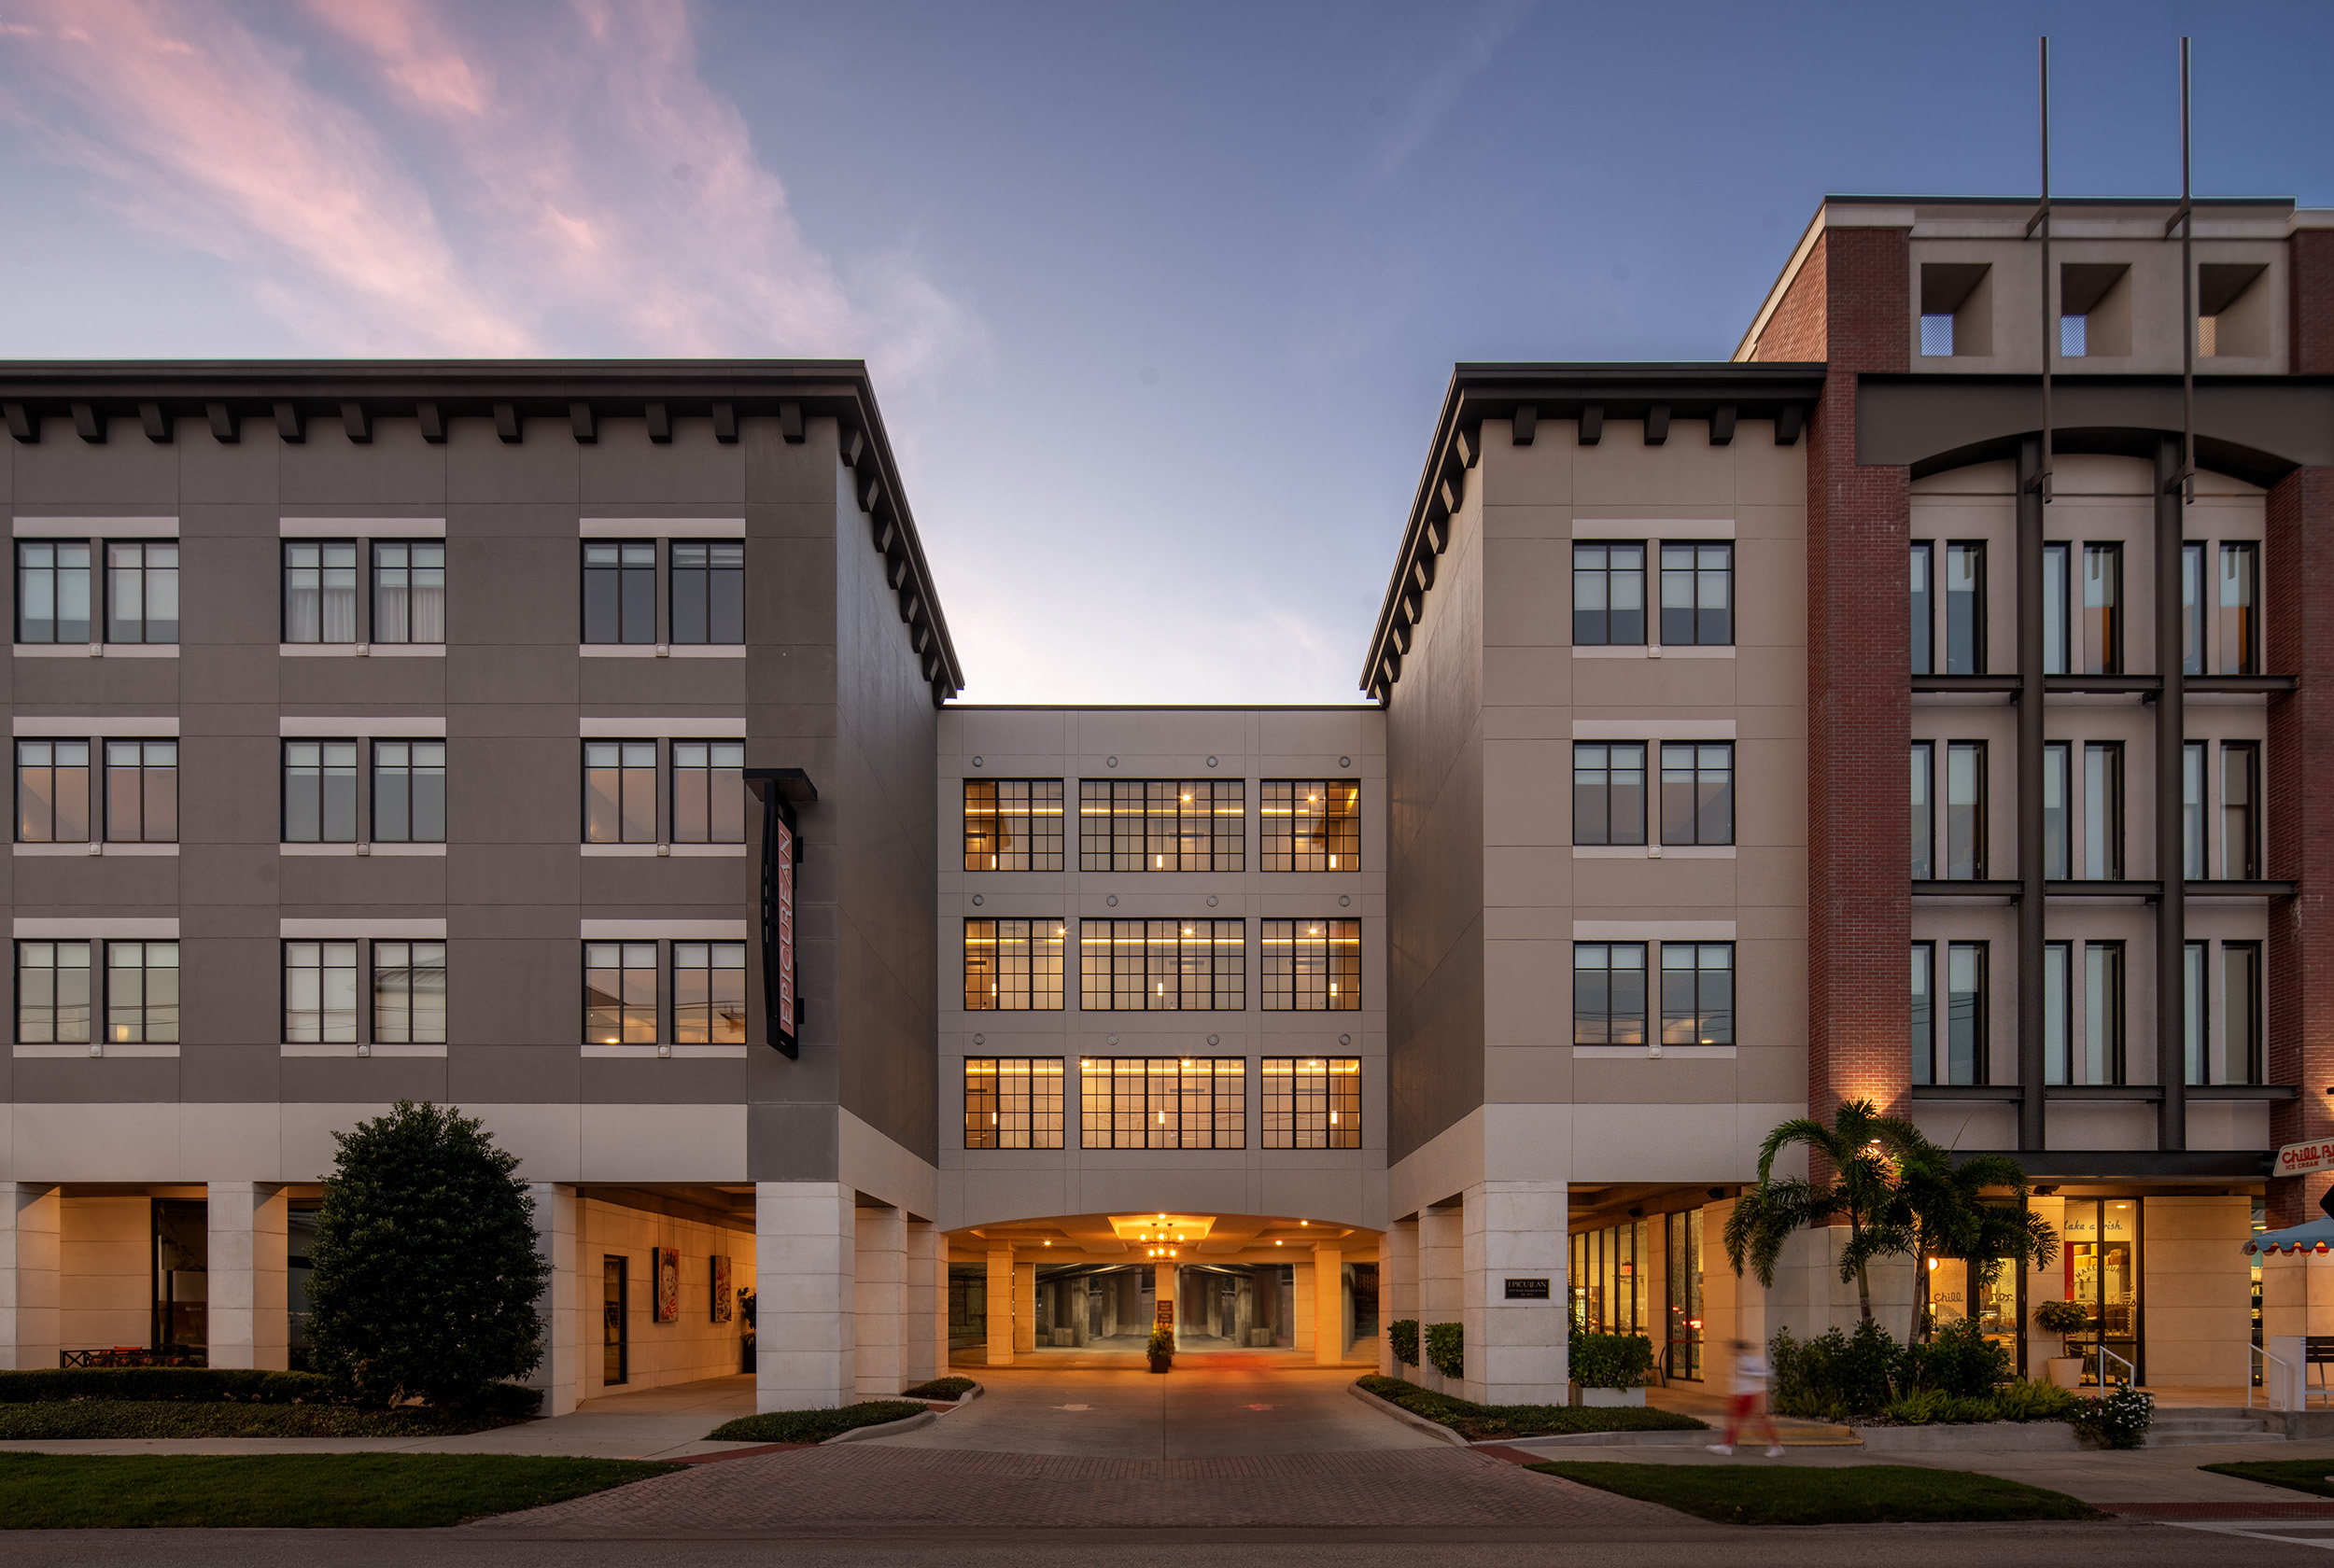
(1160, 300)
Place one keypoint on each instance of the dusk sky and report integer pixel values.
(1160, 300)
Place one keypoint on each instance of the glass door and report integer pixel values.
(616, 1338)
(2100, 1251)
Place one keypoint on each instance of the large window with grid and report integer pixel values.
(52, 591)
(620, 591)
(1013, 824)
(1162, 1103)
(53, 993)
(1609, 993)
(1162, 966)
(1698, 792)
(1697, 993)
(1312, 1103)
(1310, 824)
(320, 791)
(142, 791)
(409, 993)
(320, 993)
(709, 993)
(141, 993)
(619, 792)
(1608, 594)
(409, 792)
(409, 591)
(142, 591)
(709, 792)
(319, 590)
(1312, 966)
(1013, 966)
(1163, 824)
(620, 993)
(1608, 791)
(1013, 1102)
(1698, 594)
(708, 591)
(52, 792)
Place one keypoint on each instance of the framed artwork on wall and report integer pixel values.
(724, 1308)
(664, 1263)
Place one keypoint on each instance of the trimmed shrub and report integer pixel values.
(80, 1418)
(941, 1388)
(813, 1427)
(1611, 1361)
(1835, 1376)
(171, 1384)
(1402, 1337)
(1478, 1422)
(1446, 1348)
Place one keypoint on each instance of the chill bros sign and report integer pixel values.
(2300, 1159)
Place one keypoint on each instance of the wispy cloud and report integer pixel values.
(1421, 112)
(404, 176)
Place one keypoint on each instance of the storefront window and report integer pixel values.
(1611, 1276)
(1682, 1284)
(2100, 1263)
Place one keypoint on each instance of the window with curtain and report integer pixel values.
(1965, 810)
(1608, 594)
(52, 591)
(2238, 607)
(2102, 609)
(1698, 594)
(409, 993)
(1965, 608)
(2058, 1020)
(409, 591)
(1608, 791)
(142, 591)
(2102, 811)
(2054, 606)
(319, 590)
(2192, 811)
(2057, 791)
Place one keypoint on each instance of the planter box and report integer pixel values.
(1161, 1364)
(1604, 1398)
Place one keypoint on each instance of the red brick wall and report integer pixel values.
(1796, 330)
(2310, 300)
(2299, 621)
(1858, 909)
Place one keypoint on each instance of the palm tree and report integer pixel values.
(1863, 1189)
(1949, 1221)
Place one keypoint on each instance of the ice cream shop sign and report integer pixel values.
(2300, 1159)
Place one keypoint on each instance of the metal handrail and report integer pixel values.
(2104, 1352)
(2279, 1362)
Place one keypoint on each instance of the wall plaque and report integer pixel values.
(1527, 1290)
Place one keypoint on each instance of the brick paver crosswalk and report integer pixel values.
(858, 1486)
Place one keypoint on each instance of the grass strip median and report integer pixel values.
(2295, 1475)
(1481, 1422)
(813, 1426)
(271, 1491)
(1756, 1493)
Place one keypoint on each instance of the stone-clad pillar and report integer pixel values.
(1001, 1335)
(1516, 1350)
(248, 1276)
(31, 1247)
(805, 1264)
(1328, 1305)
(1399, 1278)
(561, 1374)
(879, 1288)
(1024, 1307)
(924, 1292)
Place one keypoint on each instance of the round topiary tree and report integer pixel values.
(426, 1269)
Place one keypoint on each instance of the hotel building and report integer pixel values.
(1916, 707)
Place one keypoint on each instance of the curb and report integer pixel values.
(906, 1423)
(1406, 1417)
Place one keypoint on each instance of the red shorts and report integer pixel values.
(1746, 1405)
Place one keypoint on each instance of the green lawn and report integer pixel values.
(1757, 1493)
(153, 1418)
(367, 1492)
(2297, 1475)
(813, 1426)
(1477, 1422)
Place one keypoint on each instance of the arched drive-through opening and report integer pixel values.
(1085, 1290)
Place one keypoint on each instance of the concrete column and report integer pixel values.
(917, 1301)
(561, 1374)
(247, 1276)
(1441, 1232)
(1308, 1315)
(1397, 1277)
(878, 1290)
(1163, 1289)
(1516, 1350)
(1329, 1306)
(1024, 1307)
(32, 1229)
(1001, 1335)
(805, 1259)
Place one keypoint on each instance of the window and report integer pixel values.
(319, 590)
(1013, 966)
(320, 791)
(620, 993)
(1698, 792)
(1964, 1059)
(2102, 609)
(2240, 787)
(709, 993)
(2192, 632)
(141, 791)
(709, 792)
(2192, 1010)
(1155, 966)
(1697, 993)
(1161, 824)
(2192, 809)
(1924, 608)
(619, 792)
(1964, 608)
(52, 591)
(2103, 810)
(409, 792)
(2102, 1013)
(1312, 1103)
(1936, 335)
(141, 993)
(1163, 1102)
(1965, 810)
(2239, 624)
(708, 591)
(2053, 610)
(2241, 1013)
(620, 591)
(2058, 790)
(142, 593)
(2074, 336)
(1924, 811)
(1608, 792)
(409, 591)
(1310, 824)
(1609, 993)
(1312, 966)
(1698, 595)
(53, 993)
(1013, 824)
(1013, 1102)
(1607, 595)
(2058, 962)
(1924, 1013)
(320, 993)
(52, 792)
(409, 993)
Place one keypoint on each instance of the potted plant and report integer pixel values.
(1610, 1369)
(1163, 1348)
(2063, 1318)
